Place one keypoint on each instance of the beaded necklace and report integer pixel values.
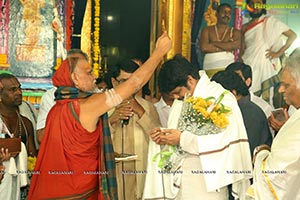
(218, 37)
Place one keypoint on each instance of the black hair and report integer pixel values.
(6, 76)
(231, 81)
(126, 65)
(244, 68)
(174, 73)
(106, 77)
(223, 5)
(145, 90)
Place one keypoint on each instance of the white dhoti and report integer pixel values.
(214, 62)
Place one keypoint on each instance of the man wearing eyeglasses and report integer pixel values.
(130, 125)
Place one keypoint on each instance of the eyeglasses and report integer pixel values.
(121, 80)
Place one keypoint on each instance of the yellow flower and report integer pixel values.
(220, 121)
(31, 163)
(213, 115)
(200, 107)
(201, 102)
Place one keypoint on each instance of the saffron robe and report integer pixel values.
(68, 160)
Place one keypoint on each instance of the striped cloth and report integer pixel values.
(109, 182)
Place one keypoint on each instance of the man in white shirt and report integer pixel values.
(163, 108)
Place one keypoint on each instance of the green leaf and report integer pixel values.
(209, 98)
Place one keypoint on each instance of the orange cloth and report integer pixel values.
(62, 76)
(67, 154)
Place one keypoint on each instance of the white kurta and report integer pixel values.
(163, 111)
(212, 161)
(282, 177)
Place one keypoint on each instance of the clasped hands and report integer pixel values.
(165, 136)
(126, 110)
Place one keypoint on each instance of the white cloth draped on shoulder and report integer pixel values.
(227, 154)
(263, 36)
(281, 179)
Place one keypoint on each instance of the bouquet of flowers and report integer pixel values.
(200, 116)
(204, 116)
